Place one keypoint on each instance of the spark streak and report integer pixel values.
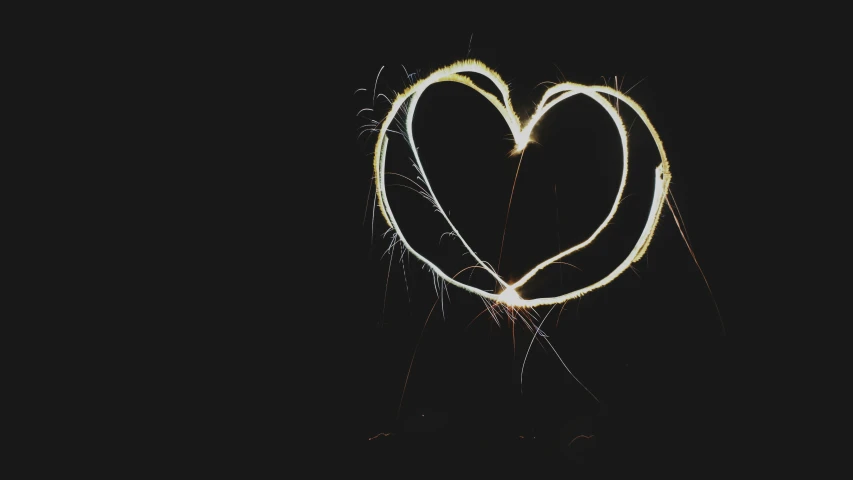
(580, 436)
(521, 132)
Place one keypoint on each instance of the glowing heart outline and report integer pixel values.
(509, 296)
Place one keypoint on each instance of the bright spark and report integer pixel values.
(521, 133)
(509, 296)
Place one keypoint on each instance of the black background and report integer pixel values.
(309, 339)
(649, 345)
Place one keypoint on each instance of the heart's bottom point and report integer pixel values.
(510, 297)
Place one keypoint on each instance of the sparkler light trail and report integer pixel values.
(521, 132)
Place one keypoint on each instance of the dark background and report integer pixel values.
(310, 335)
(650, 346)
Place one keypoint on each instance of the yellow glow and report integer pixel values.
(510, 297)
(521, 134)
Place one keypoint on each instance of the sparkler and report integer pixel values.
(508, 300)
(521, 132)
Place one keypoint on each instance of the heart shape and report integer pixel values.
(521, 134)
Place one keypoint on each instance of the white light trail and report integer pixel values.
(521, 134)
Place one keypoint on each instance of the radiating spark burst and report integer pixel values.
(521, 132)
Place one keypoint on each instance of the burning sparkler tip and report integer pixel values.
(521, 144)
(510, 297)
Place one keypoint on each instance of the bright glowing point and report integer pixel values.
(521, 134)
(510, 297)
